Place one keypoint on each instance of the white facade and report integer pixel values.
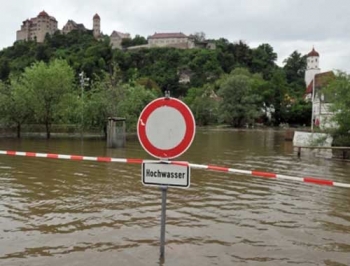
(117, 38)
(323, 116)
(315, 81)
(312, 68)
(161, 42)
(176, 40)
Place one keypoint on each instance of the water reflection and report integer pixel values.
(62, 212)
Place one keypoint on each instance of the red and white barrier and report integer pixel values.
(311, 180)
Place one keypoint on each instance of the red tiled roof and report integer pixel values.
(309, 87)
(321, 79)
(43, 14)
(167, 35)
(313, 53)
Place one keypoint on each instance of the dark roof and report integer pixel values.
(321, 80)
(120, 34)
(167, 35)
(313, 53)
(79, 26)
(96, 16)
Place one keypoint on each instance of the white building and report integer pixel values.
(315, 81)
(312, 68)
(176, 40)
(117, 38)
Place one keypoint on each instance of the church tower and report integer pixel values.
(312, 67)
(96, 26)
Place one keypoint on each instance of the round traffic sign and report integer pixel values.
(166, 128)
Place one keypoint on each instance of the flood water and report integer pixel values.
(60, 212)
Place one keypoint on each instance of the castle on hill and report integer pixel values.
(36, 29)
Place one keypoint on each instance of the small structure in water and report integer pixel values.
(116, 135)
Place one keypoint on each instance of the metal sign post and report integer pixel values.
(163, 221)
(165, 129)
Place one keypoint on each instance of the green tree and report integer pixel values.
(192, 94)
(137, 40)
(337, 94)
(263, 60)
(225, 54)
(4, 69)
(205, 67)
(294, 67)
(150, 84)
(102, 101)
(298, 112)
(204, 104)
(240, 104)
(242, 54)
(15, 106)
(277, 96)
(136, 98)
(205, 110)
(47, 86)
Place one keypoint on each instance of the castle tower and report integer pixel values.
(96, 26)
(312, 67)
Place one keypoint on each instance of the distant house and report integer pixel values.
(205, 45)
(315, 81)
(201, 43)
(184, 76)
(117, 38)
(176, 40)
(72, 25)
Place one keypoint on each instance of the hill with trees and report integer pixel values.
(233, 84)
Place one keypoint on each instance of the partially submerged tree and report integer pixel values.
(47, 86)
(15, 106)
(338, 94)
(240, 103)
(136, 98)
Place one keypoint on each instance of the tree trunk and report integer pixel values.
(48, 129)
(105, 132)
(19, 130)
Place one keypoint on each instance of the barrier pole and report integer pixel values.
(307, 179)
(163, 221)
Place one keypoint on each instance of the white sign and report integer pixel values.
(166, 128)
(157, 173)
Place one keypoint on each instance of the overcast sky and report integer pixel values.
(287, 25)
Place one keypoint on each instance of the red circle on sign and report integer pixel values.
(187, 139)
